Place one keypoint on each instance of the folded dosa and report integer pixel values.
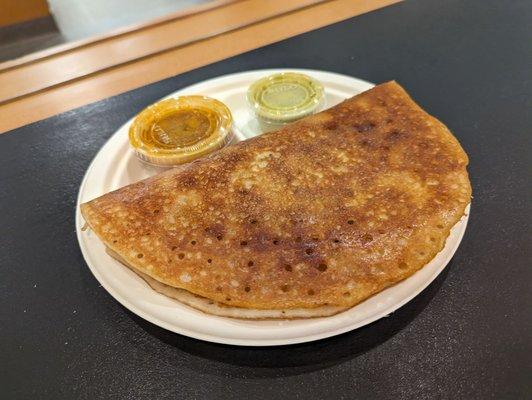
(323, 213)
(223, 310)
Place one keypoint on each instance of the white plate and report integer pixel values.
(115, 166)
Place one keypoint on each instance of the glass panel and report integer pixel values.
(24, 30)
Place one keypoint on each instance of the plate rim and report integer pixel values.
(461, 225)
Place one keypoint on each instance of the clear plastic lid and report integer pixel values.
(179, 130)
(285, 97)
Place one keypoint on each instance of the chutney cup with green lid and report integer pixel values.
(282, 98)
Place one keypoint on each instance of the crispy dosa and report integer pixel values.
(223, 310)
(324, 212)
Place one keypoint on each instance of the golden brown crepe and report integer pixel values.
(325, 212)
(223, 310)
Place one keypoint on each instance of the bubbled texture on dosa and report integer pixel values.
(326, 211)
(224, 310)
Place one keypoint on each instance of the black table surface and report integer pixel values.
(467, 336)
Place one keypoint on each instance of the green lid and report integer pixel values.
(285, 97)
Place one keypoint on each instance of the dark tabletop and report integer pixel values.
(467, 336)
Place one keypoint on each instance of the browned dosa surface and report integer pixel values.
(326, 211)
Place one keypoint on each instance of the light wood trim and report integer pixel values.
(16, 11)
(66, 47)
(102, 55)
(169, 63)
